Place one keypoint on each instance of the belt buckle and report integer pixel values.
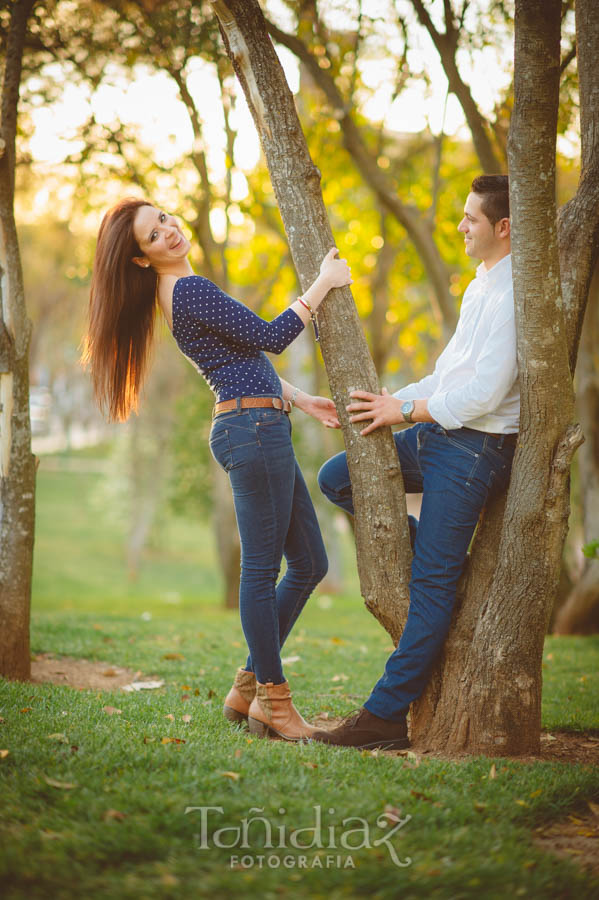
(277, 403)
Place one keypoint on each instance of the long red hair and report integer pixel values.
(122, 313)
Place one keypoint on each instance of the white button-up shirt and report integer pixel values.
(475, 381)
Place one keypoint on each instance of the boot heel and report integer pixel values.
(234, 716)
(258, 728)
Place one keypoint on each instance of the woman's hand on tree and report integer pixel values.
(335, 271)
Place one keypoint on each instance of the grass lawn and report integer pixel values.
(150, 801)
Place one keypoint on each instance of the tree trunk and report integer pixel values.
(580, 612)
(17, 465)
(382, 536)
(490, 699)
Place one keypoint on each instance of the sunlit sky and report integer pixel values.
(150, 99)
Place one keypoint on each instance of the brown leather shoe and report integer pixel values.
(237, 701)
(272, 714)
(365, 731)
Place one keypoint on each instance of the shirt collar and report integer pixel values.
(502, 269)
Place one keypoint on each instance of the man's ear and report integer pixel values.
(141, 261)
(503, 228)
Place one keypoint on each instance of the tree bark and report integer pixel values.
(580, 612)
(17, 464)
(489, 700)
(382, 536)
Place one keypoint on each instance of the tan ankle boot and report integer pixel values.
(272, 714)
(237, 701)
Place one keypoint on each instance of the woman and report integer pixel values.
(141, 258)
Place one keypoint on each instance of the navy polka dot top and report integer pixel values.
(225, 340)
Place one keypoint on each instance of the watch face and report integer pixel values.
(407, 408)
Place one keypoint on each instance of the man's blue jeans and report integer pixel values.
(276, 518)
(456, 471)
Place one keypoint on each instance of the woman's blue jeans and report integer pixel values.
(276, 518)
(456, 471)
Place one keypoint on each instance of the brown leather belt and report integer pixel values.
(252, 403)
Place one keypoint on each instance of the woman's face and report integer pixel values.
(160, 239)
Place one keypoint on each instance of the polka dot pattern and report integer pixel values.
(225, 340)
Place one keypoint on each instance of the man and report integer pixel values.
(458, 453)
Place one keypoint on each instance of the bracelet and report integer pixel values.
(293, 396)
(312, 315)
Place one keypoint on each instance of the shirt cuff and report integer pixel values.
(437, 407)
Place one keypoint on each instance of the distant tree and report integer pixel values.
(17, 464)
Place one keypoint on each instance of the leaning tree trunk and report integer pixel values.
(17, 465)
(580, 612)
(497, 707)
(382, 536)
(435, 717)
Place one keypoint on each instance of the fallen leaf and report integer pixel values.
(290, 659)
(64, 785)
(537, 793)
(336, 640)
(521, 802)
(234, 776)
(2, 720)
(27, 709)
(237, 753)
(185, 687)
(58, 737)
(170, 740)
(493, 771)
(594, 807)
(186, 717)
(340, 677)
(148, 740)
(50, 835)
(114, 814)
(112, 710)
(393, 813)
(110, 673)
(4, 754)
(309, 765)
(98, 627)
(211, 693)
(184, 696)
(173, 656)
(143, 686)
(170, 716)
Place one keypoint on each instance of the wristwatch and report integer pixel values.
(407, 409)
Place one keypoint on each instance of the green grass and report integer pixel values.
(121, 829)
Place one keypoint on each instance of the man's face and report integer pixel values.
(479, 235)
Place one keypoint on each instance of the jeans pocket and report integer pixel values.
(220, 447)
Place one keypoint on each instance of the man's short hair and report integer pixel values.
(495, 193)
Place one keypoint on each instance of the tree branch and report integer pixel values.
(380, 183)
(446, 45)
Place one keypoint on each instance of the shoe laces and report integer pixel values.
(351, 718)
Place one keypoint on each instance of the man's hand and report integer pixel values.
(383, 409)
(321, 408)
